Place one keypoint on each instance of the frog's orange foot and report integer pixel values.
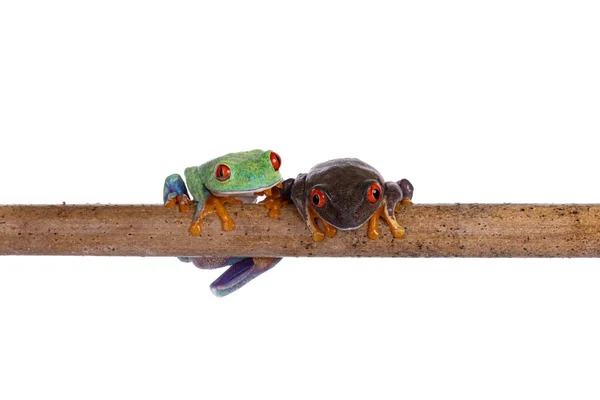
(182, 200)
(196, 228)
(330, 230)
(398, 231)
(405, 202)
(373, 233)
(274, 204)
(319, 234)
(227, 224)
(373, 230)
(175, 193)
(216, 204)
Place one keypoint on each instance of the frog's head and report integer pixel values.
(243, 173)
(347, 208)
(344, 192)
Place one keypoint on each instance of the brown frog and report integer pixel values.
(344, 194)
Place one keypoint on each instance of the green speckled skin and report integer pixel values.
(251, 171)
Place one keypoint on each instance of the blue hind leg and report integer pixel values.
(240, 274)
(174, 186)
(242, 271)
(175, 193)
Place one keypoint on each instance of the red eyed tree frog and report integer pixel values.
(232, 178)
(344, 194)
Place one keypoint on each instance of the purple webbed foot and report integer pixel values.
(240, 274)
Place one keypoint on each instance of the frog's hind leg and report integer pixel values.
(407, 192)
(240, 273)
(176, 193)
(312, 222)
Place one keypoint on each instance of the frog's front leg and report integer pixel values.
(294, 190)
(202, 210)
(398, 230)
(175, 193)
(400, 194)
(383, 211)
(313, 225)
(213, 204)
(217, 204)
(395, 193)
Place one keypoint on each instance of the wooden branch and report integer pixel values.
(453, 230)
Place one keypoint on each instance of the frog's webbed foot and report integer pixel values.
(404, 202)
(213, 204)
(202, 211)
(396, 194)
(240, 273)
(182, 200)
(273, 200)
(175, 193)
(373, 230)
(317, 233)
(398, 230)
(218, 205)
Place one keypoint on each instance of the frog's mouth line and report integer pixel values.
(347, 228)
(250, 192)
(350, 228)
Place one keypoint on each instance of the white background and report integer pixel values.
(472, 101)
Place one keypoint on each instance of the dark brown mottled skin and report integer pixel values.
(344, 182)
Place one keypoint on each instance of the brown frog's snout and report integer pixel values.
(347, 218)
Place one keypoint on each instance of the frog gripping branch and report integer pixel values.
(344, 194)
(338, 194)
(233, 178)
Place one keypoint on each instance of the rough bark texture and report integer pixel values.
(448, 230)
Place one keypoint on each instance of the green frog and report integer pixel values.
(233, 178)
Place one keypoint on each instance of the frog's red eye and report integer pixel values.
(374, 193)
(317, 198)
(275, 160)
(222, 173)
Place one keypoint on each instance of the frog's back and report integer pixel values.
(342, 170)
(203, 172)
(236, 158)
